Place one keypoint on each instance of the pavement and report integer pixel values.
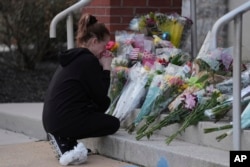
(19, 150)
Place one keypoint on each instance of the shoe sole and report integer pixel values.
(54, 145)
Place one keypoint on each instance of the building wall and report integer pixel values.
(117, 14)
(207, 12)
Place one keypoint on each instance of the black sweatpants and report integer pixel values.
(95, 124)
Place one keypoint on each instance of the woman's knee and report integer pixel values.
(115, 124)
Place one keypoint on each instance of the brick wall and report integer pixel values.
(116, 14)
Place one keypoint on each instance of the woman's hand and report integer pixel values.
(106, 60)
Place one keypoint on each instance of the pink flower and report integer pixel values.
(175, 81)
(190, 100)
(111, 46)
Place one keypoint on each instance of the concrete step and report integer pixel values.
(147, 152)
(10, 137)
(195, 134)
(24, 118)
(193, 148)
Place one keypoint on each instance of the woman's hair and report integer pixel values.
(88, 27)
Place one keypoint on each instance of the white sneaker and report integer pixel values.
(74, 157)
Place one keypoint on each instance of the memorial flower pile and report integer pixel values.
(152, 73)
(188, 100)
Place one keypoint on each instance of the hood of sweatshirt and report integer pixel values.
(68, 56)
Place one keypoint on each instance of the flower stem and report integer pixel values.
(209, 130)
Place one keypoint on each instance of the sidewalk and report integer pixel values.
(19, 150)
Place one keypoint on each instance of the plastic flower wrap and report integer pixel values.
(218, 60)
(153, 92)
(132, 92)
(119, 76)
(226, 86)
(133, 46)
(125, 43)
(148, 59)
(173, 55)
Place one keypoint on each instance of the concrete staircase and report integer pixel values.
(192, 149)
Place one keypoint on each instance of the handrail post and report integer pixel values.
(237, 83)
(193, 29)
(70, 32)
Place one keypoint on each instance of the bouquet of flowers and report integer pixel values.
(119, 76)
(172, 27)
(220, 110)
(218, 60)
(132, 92)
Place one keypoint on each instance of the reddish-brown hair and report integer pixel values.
(89, 27)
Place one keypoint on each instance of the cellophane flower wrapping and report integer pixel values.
(226, 86)
(133, 92)
(245, 117)
(218, 60)
(149, 102)
(125, 41)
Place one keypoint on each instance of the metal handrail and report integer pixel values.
(67, 13)
(235, 15)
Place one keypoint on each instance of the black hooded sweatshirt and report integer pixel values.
(79, 86)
